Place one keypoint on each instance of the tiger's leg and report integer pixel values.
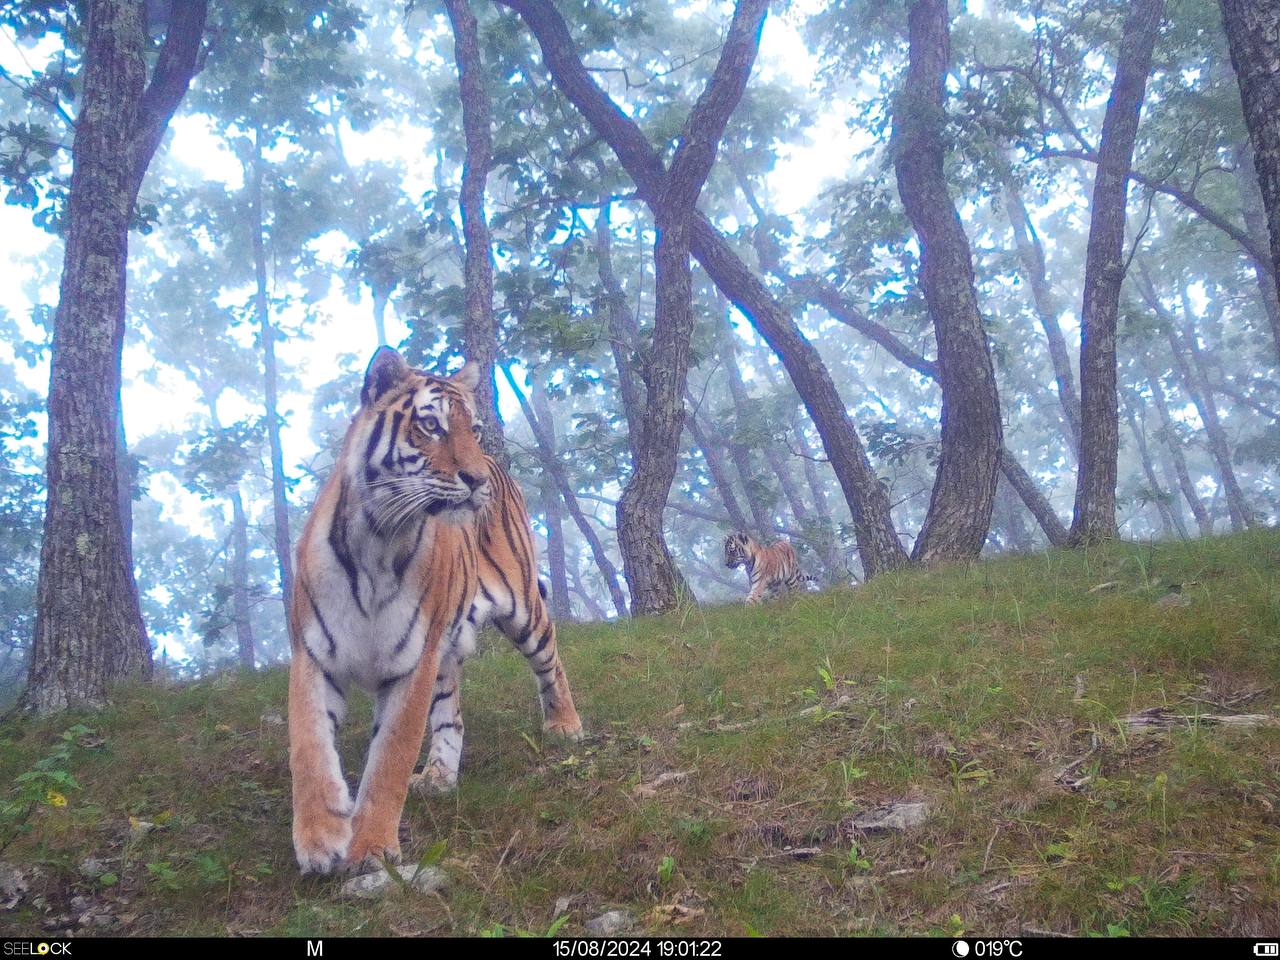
(530, 628)
(402, 708)
(321, 800)
(444, 719)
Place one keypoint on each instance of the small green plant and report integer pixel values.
(666, 870)
(968, 772)
(857, 861)
(46, 784)
(827, 674)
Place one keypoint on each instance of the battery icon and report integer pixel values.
(1266, 949)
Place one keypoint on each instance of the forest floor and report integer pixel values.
(1056, 720)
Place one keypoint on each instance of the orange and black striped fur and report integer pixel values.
(770, 570)
(416, 541)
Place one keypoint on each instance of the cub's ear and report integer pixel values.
(386, 370)
(468, 376)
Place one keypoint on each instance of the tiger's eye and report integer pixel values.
(430, 424)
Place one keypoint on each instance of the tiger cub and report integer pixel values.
(770, 570)
(415, 543)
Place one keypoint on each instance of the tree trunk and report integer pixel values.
(1171, 528)
(1035, 501)
(240, 581)
(717, 468)
(964, 491)
(1255, 221)
(1095, 504)
(593, 609)
(89, 631)
(646, 560)
(878, 543)
(1253, 34)
(1031, 254)
(623, 332)
(267, 336)
(608, 572)
(755, 491)
(480, 329)
(560, 607)
(1185, 484)
(380, 298)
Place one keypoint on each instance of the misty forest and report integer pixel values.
(974, 304)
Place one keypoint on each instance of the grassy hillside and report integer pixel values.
(996, 693)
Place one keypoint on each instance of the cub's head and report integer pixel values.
(415, 446)
(735, 550)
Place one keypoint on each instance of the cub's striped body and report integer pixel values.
(416, 541)
(770, 570)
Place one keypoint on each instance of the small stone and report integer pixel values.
(92, 867)
(562, 906)
(139, 828)
(370, 885)
(14, 883)
(273, 719)
(607, 924)
(890, 816)
(1171, 600)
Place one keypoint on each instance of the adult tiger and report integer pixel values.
(416, 541)
(770, 570)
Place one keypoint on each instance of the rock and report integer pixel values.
(1171, 600)
(14, 883)
(562, 906)
(139, 828)
(901, 815)
(651, 788)
(370, 885)
(273, 719)
(607, 924)
(92, 867)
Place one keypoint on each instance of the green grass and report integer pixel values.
(956, 686)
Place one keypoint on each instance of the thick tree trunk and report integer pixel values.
(89, 631)
(608, 572)
(647, 563)
(560, 607)
(270, 377)
(1253, 34)
(1031, 255)
(868, 501)
(1095, 505)
(964, 491)
(480, 330)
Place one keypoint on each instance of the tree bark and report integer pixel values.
(270, 376)
(647, 563)
(717, 468)
(964, 490)
(1253, 34)
(623, 332)
(553, 466)
(1095, 503)
(480, 330)
(1035, 501)
(1171, 527)
(89, 631)
(878, 543)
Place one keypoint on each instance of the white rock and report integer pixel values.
(607, 924)
(370, 885)
(891, 816)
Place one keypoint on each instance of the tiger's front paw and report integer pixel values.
(566, 728)
(371, 845)
(436, 780)
(321, 841)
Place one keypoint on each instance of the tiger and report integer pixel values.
(416, 541)
(770, 570)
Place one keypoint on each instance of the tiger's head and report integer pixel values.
(415, 447)
(736, 550)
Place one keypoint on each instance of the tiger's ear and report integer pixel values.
(468, 376)
(386, 370)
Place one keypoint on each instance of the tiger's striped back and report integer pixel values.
(771, 569)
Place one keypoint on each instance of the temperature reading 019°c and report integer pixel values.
(987, 948)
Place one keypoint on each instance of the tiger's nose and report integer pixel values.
(471, 480)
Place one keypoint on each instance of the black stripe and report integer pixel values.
(324, 627)
(375, 436)
(546, 638)
(341, 550)
(328, 678)
(396, 420)
(441, 696)
(390, 682)
(333, 718)
(447, 725)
